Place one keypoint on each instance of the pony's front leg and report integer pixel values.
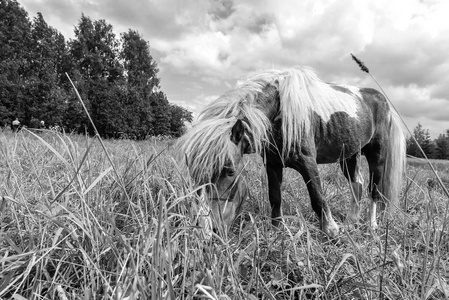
(274, 174)
(307, 167)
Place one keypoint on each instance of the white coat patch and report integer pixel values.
(338, 102)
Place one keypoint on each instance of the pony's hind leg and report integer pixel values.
(351, 170)
(376, 168)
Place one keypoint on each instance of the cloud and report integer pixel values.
(203, 47)
(222, 9)
(196, 52)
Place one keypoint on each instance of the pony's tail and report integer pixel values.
(395, 158)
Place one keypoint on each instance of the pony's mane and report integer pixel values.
(301, 94)
(207, 146)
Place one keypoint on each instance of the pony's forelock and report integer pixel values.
(208, 148)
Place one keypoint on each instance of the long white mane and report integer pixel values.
(302, 93)
(207, 146)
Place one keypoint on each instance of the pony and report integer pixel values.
(293, 119)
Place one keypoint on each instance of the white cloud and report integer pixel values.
(203, 46)
(197, 52)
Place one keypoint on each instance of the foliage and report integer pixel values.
(436, 149)
(15, 31)
(442, 146)
(179, 115)
(42, 92)
(117, 78)
(140, 68)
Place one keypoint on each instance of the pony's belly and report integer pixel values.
(341, 137)
(335, 153)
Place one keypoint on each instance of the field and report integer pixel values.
(121, 220)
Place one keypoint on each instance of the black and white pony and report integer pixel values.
(294, 119)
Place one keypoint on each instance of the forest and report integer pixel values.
(433, 149)
(116, 77)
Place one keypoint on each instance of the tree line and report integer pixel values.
(435, 149)
(116, 77)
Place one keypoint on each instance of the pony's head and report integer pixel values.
(228, 188)
(214, 152)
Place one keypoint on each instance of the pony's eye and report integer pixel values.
(230, 172)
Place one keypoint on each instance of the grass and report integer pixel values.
(76, 223)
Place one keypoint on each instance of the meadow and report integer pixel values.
(80, 219)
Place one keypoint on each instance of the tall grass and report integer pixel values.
(76, 224)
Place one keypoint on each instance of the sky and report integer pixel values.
(204, 47)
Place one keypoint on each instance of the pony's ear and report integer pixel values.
(237, 132)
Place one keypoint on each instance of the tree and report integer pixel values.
(412, 147)
(98, 73)
(442, 146)
(427, 145)
(150, 105)
(141, 83)
(179, 115)
(44, 99)
(15, 37)
(95, 50)
(117, 79)
(140, 68)
(422, 136)
(31, 56)
(161, 114)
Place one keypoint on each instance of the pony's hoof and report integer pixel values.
(373, 227)
(332, 231)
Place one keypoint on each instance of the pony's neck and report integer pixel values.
(268, 102)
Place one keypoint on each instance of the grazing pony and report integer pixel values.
(293, 119)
